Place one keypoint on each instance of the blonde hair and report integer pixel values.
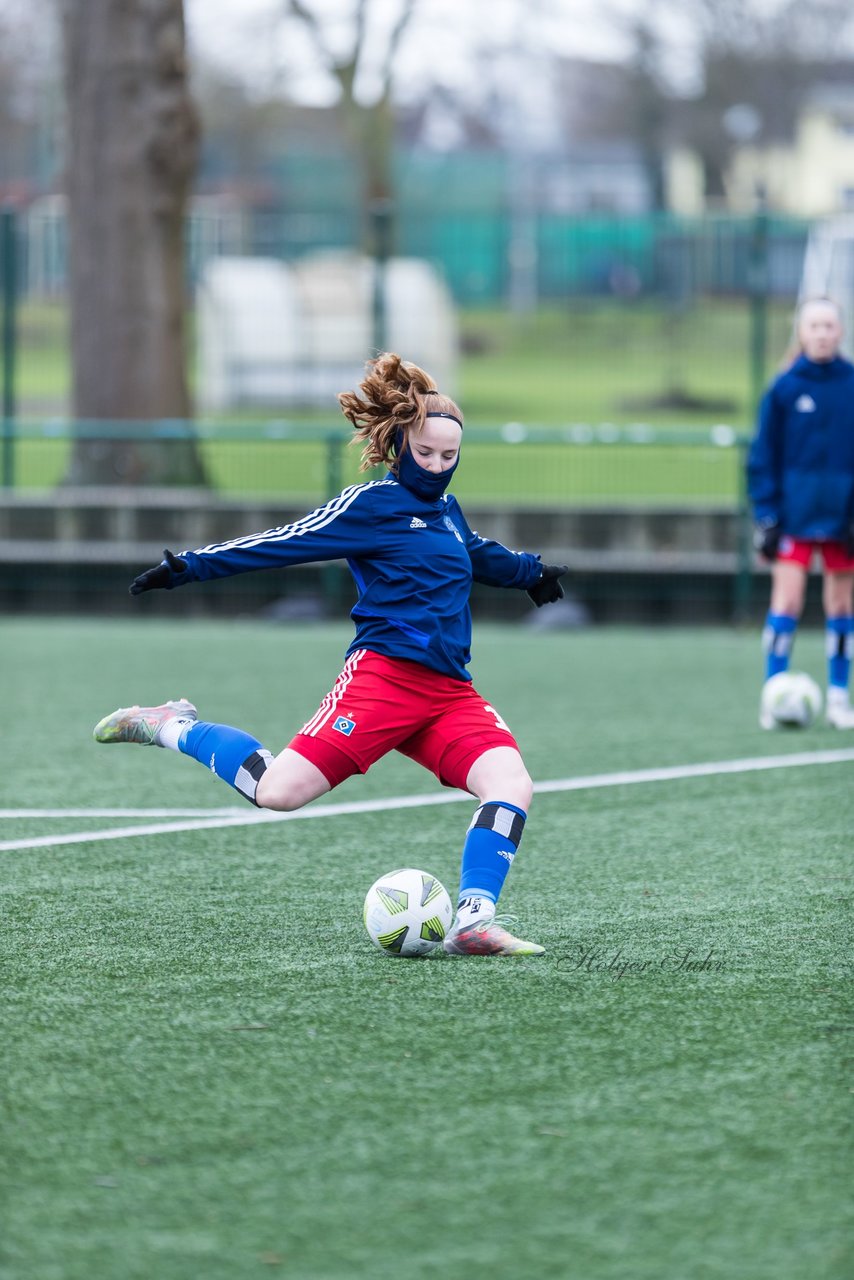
(795, 347)
(396, 396)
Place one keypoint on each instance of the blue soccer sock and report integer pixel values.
(840, 648)
(235, 756)
(777, 640)
(489, 850)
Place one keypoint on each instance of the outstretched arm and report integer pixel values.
(344, 527)
(498, 566)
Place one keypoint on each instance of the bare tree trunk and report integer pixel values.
(133, 136)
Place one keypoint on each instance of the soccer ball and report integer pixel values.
(407, 912)
(791, 699)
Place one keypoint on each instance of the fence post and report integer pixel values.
(744, 542)
(333, 465)
(758, 285)
(381, 236)
(8, 265)
(331, 574)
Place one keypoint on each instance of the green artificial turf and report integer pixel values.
(208, 1070)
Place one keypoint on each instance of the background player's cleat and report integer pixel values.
(143, 724)
(839, 713)
(488, 938)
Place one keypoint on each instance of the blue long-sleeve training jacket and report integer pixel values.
(413, 563)
(801, 463)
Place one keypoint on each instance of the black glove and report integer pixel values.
(547, 589)
(162, 575)
(766, 539)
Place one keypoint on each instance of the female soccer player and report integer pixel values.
(801, 483)
(404, 685)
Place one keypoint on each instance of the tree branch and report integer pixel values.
(404, 18)
(345, 69)
(297, 9)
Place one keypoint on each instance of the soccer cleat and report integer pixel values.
(839, 713)
(143, 724)
(488, 938)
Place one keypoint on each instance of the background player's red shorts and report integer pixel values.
(800, 551)
(380, 704)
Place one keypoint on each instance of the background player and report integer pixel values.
(801, 484)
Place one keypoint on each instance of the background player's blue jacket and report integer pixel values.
(413, 562)
(801, 463)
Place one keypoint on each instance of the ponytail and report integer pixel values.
(389, 404)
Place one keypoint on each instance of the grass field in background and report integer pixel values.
(587, 361)
(209, 1071)
(536, 474)
(607, 362)
(592, 364)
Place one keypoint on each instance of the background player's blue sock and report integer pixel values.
(235, 756)
(777, 640)
(840, 647)
(490, 847)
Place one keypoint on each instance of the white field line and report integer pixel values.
(122, 813)
(231, 817)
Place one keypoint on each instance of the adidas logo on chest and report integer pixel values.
(416, 523)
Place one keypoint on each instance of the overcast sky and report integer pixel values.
(249, 36)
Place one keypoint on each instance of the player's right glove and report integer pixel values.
(766, 539)
(163, 575)
(547, 588)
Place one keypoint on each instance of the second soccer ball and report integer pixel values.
(791, 700)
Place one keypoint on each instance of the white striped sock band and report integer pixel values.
(497, 817)
(251, 772)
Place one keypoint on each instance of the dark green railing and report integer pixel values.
(300, 463)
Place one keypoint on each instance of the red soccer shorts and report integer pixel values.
(800, 551)
(380, 704)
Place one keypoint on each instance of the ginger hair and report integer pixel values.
(394, 396)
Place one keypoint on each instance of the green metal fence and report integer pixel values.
(622, 507)
(514, 463)
(675, 322)
(656, 317)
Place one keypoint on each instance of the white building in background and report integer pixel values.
(812, 174)
(272, 333)
(684, 183)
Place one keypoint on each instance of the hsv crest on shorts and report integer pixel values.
(343, 725)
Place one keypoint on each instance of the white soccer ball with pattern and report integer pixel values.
(791, 699)
(407, 912)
